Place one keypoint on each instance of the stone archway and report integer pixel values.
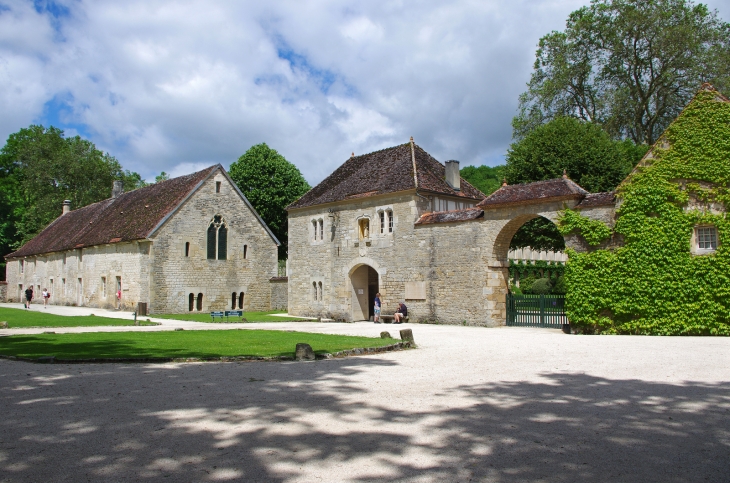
(498, 269)
(364, 284)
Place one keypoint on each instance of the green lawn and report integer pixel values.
(249, 316)
(178, 344)
(38, 317)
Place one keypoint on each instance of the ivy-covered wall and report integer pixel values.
(653, 284)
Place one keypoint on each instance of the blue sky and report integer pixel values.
(177, 86)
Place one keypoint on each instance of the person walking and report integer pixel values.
(28, 296)
(376, 308)
(401, 313)
(46, 296)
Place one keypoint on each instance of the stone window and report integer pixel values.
(217, 186)
(318, 230)
(382, 222)
(314, 229)
(81, 256)
(63, 286)
(119, 283)
(314, 291)
(103, 287)
(217, 239)
(319, 290)
(390, 220)
(22, 266)
(187, 249)
(245, 251)
(233, 301)
(64, 259)
(704, 240)
(364, 228)
(240, 300)
(199, 304)
(51, 286)
(191, 302)
(321, 229)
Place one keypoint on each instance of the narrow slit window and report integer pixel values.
(319, 286)
(245, 251)
(390, 221)
(22, 264)
(233, 301)
(382, 222)
(222, 242)
(321, 230)
(314, 226)
(217, 186)
(199, 304)
(187, 249)
(314, 291)
(191, 302)
(240, 301)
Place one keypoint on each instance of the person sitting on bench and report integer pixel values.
(401, 313)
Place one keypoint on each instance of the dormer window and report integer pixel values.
(704, 240)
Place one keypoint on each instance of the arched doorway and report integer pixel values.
(539, 307)
(365, 284)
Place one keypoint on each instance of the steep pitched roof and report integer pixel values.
(537, 192)
(386, 171)
(133, 215)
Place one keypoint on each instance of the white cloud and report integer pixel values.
(170, 86)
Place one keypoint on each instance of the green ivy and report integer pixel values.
(653, 284)
(593, 231)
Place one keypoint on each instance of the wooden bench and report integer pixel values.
(388, 319)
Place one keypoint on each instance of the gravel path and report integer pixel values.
(471, 404)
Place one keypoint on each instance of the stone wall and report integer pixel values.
(461, 267)
(3, 291)
(279, 293)
(84, 277)
(175, 276)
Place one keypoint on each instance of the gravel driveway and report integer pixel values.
(471, 404)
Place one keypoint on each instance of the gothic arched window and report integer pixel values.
(217, 237)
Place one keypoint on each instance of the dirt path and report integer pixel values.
(501, 405)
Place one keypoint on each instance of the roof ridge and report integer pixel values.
(413, 160)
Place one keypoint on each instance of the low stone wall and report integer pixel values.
(3, 291)
(279, 293)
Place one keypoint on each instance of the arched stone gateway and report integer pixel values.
(449, 267)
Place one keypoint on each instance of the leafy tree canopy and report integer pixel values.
(590, 157)
(162, 177)
(486, 179)
(628, 65)
(270, 183)
(39, 168)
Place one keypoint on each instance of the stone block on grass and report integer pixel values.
(406, 335)
(304, 352)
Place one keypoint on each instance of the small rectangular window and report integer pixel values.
(217, 186)
(321, 230)
(187, 249)
(390, 221)
(245, 251)
(382, 222)
(314, 225)
(707, 238)
(103, 286)
(22, 266)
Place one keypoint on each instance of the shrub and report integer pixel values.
(559, 287)
(542, 286)
(526, 283)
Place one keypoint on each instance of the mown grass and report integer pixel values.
(178, 344)
(249, 316)
(38, 317)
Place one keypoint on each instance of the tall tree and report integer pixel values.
(270, 183)
(590, 157)
(628, 65)
(486, 179)
(39, 168)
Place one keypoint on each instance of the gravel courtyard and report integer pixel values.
(471, 404)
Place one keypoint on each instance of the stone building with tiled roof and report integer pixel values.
(192, 243)
(399, 222)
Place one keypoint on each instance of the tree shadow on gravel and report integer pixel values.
(297, 421)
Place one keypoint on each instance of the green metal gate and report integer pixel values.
(536, 311)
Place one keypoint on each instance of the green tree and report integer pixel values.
(39, 168)
(628, 65)
(132, 180)
(270, 183)
(590, 157)
(162, 177)
(486, 179)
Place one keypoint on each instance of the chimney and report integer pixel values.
(66, 207)
(453, 178)
(117, 189)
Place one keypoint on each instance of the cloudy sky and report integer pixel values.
(179, 85)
